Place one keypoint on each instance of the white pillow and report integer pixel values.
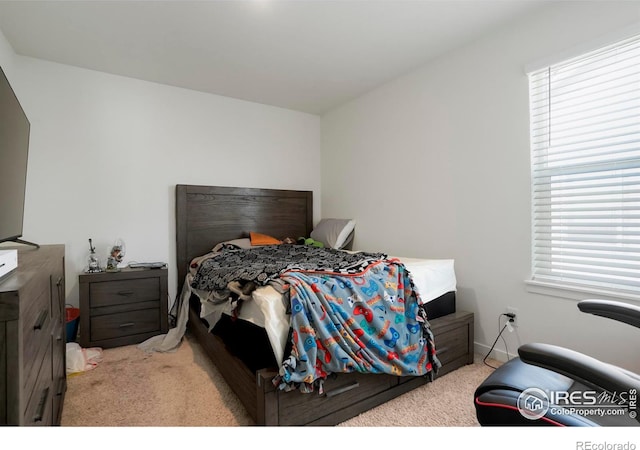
(334, 233)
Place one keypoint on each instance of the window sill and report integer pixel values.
(575, 292)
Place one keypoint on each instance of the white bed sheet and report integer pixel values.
(432, 278)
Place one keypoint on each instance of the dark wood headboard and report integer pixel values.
(207, 215)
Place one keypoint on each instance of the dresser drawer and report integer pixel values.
(40, 403)
(125, 324)
(58, 344)
(57, 296)
(36, 333)
(109, 293)
(58, 384)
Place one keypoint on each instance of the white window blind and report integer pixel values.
(585, 149)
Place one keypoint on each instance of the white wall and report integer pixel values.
(435, 164)
(106, 153)
(6, 57)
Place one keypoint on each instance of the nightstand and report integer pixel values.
(122, 308)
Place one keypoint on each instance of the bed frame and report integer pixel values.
(206, 215)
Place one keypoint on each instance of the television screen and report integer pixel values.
(14, 149)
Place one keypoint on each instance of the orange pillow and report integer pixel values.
(263, 239)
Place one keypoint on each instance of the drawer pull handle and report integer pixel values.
(60, 286)
(125, 325)
(442, 350)
(42, 318)
(125, 293)
(343, 389)
(41, 404)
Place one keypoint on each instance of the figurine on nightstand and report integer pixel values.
(116, 256)
(93, 262)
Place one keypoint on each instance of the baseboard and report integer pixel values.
(496, 353)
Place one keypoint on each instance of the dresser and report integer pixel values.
(122, 308)
(32, 338)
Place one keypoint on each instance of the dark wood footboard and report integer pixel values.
(346, 395)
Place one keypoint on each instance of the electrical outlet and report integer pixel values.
(514, 311)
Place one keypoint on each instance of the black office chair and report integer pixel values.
(550, 385)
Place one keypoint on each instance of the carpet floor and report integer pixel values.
(131, 388)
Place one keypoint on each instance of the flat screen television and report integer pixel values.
(14, 149)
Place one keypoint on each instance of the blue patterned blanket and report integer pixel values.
(368, 322)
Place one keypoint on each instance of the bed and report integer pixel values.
(242, 350)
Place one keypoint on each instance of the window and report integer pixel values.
(585, 150)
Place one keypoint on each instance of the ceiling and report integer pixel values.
(305, 55)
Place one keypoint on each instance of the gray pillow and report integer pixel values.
(334, 233)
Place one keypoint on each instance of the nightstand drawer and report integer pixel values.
(117, 292)
(125, 324)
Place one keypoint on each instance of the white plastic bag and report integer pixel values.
(82, 359)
